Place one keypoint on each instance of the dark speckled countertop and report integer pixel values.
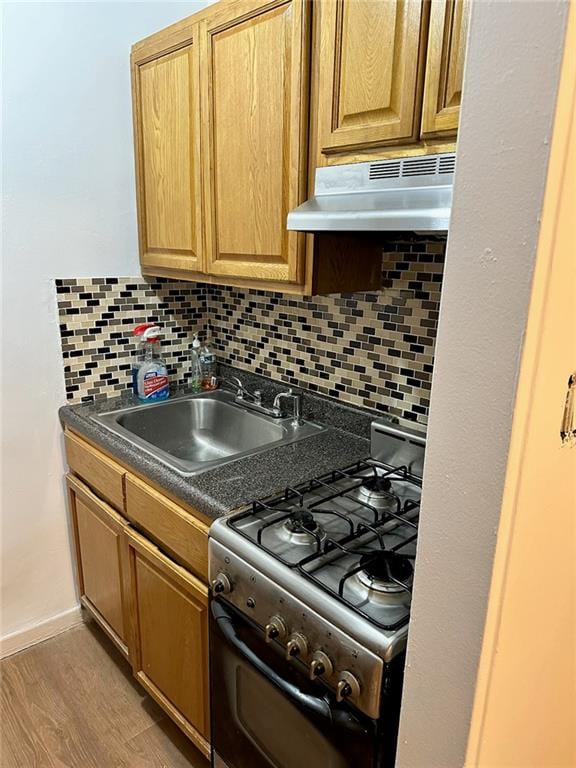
(217, 491)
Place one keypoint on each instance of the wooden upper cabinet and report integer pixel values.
(166, 104)
(445, 66)
(255, 62)
(368, 71)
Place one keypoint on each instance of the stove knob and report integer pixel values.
(348, 687)
(222, 584)
(321, 665)
(297, 645)
(275, 629)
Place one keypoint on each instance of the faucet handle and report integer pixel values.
(235, 383)
(257, 394)
(296, 398)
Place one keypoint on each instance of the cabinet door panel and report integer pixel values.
(166, 111)
(100, 565)
(255, 58)
(368, 72)
(445, 66)
(100, 559)
(170, 655)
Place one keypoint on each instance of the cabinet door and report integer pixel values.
(169, 608)
(167, 140)
(368, 73)
(445, 66)
(255, 61)
(101, 560)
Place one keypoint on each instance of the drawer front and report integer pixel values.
(99, 472)
(169, 525)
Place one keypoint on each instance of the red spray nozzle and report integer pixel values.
(139, 330)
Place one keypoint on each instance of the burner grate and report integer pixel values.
(303, 506)
(298, 526)
(352, 546)
(372, 559)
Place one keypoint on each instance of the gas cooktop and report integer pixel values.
(343, 544)
(352, 532)
(325, 569)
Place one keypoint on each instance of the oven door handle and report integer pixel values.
(314, 704)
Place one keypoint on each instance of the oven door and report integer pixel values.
(265, 713)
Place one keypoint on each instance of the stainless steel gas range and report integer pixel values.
(311, 595)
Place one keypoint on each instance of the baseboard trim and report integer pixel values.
(24, 638)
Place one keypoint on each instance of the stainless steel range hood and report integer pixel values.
(410, 194)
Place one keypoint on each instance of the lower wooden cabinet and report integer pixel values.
(154, 609)
(101, 559)
(169, 644)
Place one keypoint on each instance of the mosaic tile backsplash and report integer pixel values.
(97, 316)
(373, 349)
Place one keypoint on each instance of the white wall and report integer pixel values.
(69, 211)
(510, 87)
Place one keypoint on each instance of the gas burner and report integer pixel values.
(301, 518)
(377, 484)
(382, 570)
(376, 491)
(302, 528)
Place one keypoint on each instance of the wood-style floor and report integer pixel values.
(71, 702)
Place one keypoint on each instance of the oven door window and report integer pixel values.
(265, 712)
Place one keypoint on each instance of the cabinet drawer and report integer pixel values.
(172, 527)
(101, 473)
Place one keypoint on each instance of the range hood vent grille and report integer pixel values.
(404, 194)
(447, 164)
(387, 170)
(412, 166)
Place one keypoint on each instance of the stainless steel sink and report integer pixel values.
(198, 432)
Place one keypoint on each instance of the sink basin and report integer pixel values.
(198, 432)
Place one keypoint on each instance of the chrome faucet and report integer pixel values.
(296, 405)
(241, 392)
(253, 400)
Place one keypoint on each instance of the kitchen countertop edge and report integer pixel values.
(221, 490)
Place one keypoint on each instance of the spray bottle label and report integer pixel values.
(155, 386)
